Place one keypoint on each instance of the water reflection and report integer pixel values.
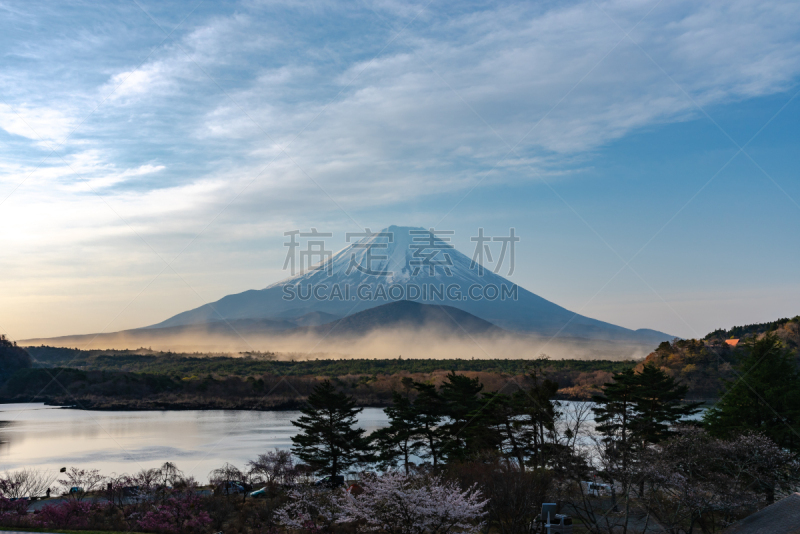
(198, 441)
(39, 436)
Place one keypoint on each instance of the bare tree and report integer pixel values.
(224, 477)
(574, 425)
(169, 474)
(80, 482)
(26, 483)
(274, 467)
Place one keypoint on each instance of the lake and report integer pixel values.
(197, 441)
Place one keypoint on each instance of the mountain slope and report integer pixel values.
(523, 311)
(412, 315)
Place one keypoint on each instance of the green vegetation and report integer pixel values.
(634, 412)
(400, 440)
(248, 364)
(764, 397)
(458, 421)
(327, 440)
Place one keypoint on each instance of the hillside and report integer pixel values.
(410, 315)
(703, 364)
(788, 330)
(12, 359)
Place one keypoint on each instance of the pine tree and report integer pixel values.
(327, 440)
(461, 404)
(500, 425)
(614, 410)
(401, 439)
(429, 409)
(658, 405)
(765, 397)
(540, 413)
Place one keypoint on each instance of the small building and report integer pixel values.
(783, 517)
(732, 342)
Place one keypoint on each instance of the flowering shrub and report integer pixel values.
(68, 514)
(175, 515)
(12, 513)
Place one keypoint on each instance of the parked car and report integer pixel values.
(596, 489)
(259, 493)
(75, 489)
(560, 524)
(229, 488)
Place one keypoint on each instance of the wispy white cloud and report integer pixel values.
(40, 124)
(272, 107)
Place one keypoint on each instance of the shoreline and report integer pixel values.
(163, 406)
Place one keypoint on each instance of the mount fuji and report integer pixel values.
(397, 264)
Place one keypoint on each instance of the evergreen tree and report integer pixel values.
(765, 397)
(461, 406)
(327, 440)
(499, 425)
(429, 409)
(658, 405)
(401, 439)
(540, 413)
(614, 410)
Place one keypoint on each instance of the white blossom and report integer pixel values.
(399, 504)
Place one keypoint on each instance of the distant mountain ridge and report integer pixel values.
(526, 313)
(406, 314)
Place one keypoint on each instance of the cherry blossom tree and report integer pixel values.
(312, 509)
(396, 503)
(697, 480)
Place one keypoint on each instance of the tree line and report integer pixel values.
(458, 421)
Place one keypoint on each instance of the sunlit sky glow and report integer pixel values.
(152, 154)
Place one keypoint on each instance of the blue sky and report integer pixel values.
(153, 153)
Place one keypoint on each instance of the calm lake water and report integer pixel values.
(197, 441)
(46, 437)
